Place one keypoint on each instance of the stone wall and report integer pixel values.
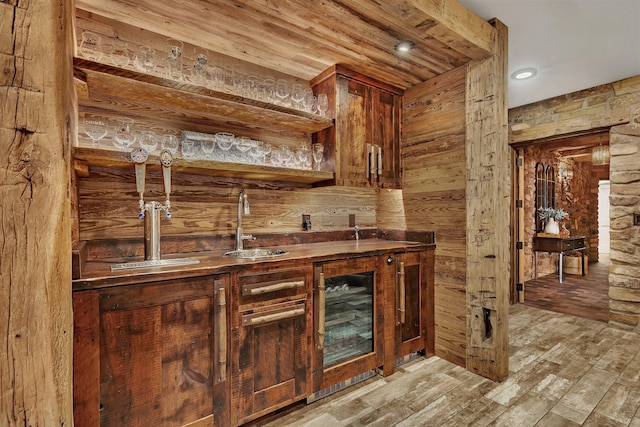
(624, 273)
(575, 196)
(614, 106)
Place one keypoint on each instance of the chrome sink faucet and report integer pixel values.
(243, 207)
(357, 229)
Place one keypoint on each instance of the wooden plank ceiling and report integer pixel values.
(303, 38)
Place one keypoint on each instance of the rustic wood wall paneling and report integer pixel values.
(434, 180)
(203, 205)
(37, 125)
(488, 203)
(303, 41)
(147, 114)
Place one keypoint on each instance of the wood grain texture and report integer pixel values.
(434, 180)
(303, 41)
(37, 127)
(156, 353)
(111, 85)
(551, 364)
(488, 203)
(207, 205)
(270, 366)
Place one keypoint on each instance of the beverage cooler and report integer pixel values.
(347, 320)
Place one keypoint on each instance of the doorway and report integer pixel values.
(579, 187)
(604, 190)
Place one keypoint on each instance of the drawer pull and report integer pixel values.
(321, 325)
(222, 325)
(273, 317)
(271, 287)
(401, 292)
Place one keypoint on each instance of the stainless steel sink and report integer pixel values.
(255, 253)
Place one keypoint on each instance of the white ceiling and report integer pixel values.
(574, 44)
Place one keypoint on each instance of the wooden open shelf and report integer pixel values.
(144, 94)
(117, 159)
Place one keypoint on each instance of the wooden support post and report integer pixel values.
(488, 201)
(37, 125)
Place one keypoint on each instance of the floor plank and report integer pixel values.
(565, 371)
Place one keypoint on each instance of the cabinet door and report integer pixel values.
(349, 320)
(354, 132)
(159, 361)
(411, 302)
(271, 364)
(386, 138)
(364, 144)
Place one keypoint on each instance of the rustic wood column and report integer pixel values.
(488, 197)
(35, 265)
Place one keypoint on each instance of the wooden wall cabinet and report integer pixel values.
(152, 354)
(271, 330)
(364, 144)
(409, 315)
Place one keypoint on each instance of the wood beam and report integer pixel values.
(36, 128)
(488, 202)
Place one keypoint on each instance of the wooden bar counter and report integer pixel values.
(228, 340)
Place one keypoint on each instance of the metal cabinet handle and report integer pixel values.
(372, 163)
(379, 161)
(272, 287)
(401, 292)
(273, 317)
(222, 325)
(321, 295)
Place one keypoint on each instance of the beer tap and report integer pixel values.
(139, 155)
(150, 212)
(166, 159)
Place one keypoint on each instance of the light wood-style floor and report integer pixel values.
(564, 371)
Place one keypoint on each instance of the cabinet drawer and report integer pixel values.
(568, 245)
(273, 286)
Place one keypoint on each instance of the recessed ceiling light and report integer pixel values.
(404, 46)
(524, 73)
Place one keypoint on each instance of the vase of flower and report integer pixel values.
(551, 216)
(552, 227)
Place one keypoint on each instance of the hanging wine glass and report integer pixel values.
(297, 95)
(303, 155)
(188, 149)
(148, 140)
(282, 92)
(199, 70)
(318, 154)
(170, 142)
(118, 52)
(208, 145)
(95, 129)
(91, 46)
(323, 103)
(124, 134)
(145, 60)
(309, 101)
(174, 59)
(225, 142)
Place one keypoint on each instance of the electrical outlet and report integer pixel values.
(352, 220)
(306, 222)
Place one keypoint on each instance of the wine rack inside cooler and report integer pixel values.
(348, 317)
